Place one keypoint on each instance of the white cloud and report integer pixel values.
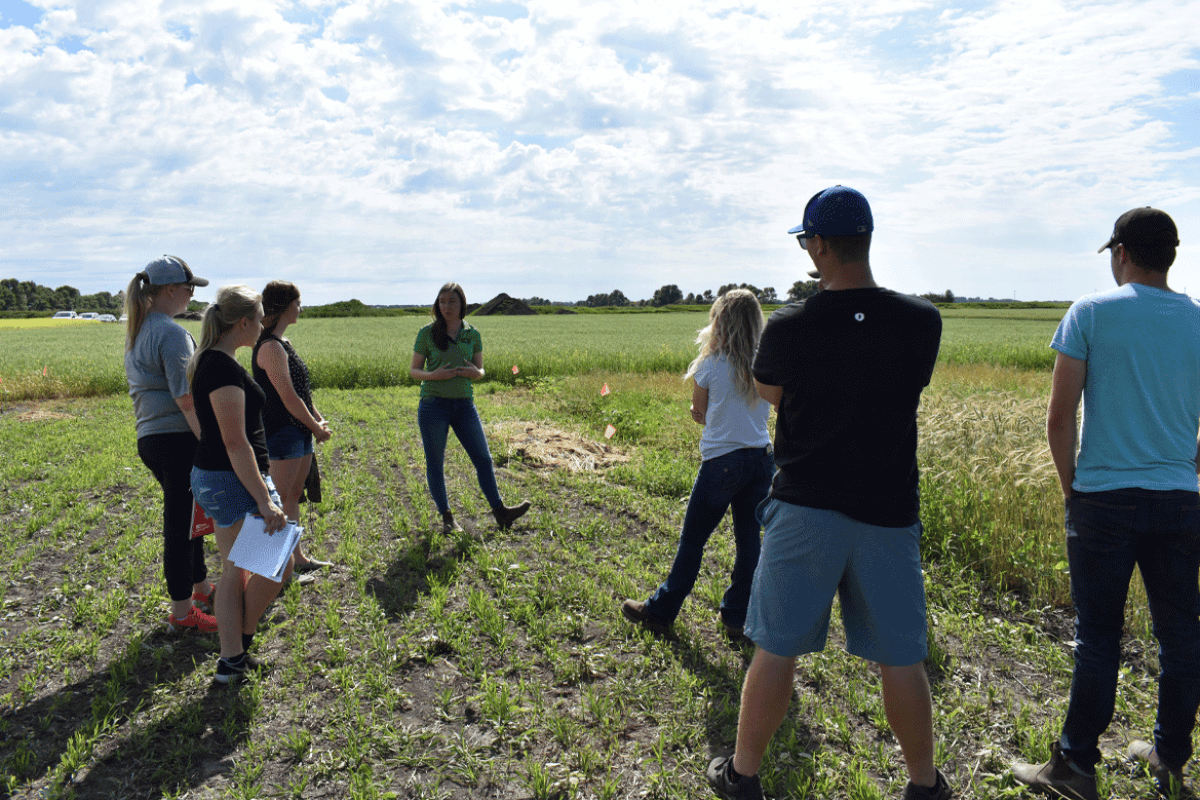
(375, 149)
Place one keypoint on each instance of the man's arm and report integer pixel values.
(772, 394)
(1061, 433)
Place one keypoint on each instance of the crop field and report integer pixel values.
(494, 664)
(85, 359)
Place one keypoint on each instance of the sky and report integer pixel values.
(375, 150)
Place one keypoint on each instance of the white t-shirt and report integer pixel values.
(729, 423)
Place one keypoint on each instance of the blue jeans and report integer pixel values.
(1108, 533)
(435, 417)
(740, 479)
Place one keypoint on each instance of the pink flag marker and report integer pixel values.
(609, 431)
(44, 370)
(515, 370)
(604, 390)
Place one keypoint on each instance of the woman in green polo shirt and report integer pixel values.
(447, 357)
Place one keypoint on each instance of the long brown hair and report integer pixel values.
(441, 338)
(234, 303)
(276, 298)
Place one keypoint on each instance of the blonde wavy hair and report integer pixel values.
(735, 325)
(234, 303)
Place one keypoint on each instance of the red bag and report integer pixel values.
(202, 523)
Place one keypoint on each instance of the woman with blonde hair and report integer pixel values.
(157, 350)
(230, 478)
(736, 471)
(289, 416)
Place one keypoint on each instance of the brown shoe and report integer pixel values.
(1169, 781)
(449, 525)
(635, 611)
(1057, 776)
(507, 515)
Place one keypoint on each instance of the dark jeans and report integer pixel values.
(740, 479)
(435, 417)
(1108, 533)
(169, 458)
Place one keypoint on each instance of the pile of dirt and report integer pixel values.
(543, 447)
(503, 304)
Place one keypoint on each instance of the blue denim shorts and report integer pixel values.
(808, 554)
(289, 442)
(223, 497)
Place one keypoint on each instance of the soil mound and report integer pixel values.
(545, 447)
(503, 304)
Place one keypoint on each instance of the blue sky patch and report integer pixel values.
(16, 12)
(72, 44)
(337, 93)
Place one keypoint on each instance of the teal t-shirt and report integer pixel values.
(1141, 399)
(460, 353)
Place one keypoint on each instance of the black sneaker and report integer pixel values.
(235, 670)
(748, 787)
(939, 791)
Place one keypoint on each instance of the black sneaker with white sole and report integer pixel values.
(235, 670)
(747, 787)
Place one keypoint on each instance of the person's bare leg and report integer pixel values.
(289, 476)
(229, 593)
(909, 711)
(766, 693)
(260, 592)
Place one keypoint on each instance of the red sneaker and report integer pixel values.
(195, 619)
(201, 599)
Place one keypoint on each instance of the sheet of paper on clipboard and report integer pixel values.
(262, 553)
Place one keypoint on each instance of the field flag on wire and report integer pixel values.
(515, 370)
(609, 431)
(44, 370)
(604, 390)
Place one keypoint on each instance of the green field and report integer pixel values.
(357, 353)
(497, 664)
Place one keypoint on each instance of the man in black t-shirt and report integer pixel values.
(845, 370)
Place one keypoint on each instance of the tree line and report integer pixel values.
(18, 295)
(671, 294)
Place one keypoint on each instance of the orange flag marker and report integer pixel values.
(609, 431)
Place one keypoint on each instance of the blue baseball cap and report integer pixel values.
(836, 211)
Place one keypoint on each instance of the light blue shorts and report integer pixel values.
(808, 554)
(223, 497)
(289, 442)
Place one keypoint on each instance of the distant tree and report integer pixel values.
(614, 298)
(802, 290)
(949, 296)
(747, 286)
(934, 297)
(66, 298)
(8, 298)
(708, 296)
(689, 300)
(767, 295)
(537, 301)
(667, 295)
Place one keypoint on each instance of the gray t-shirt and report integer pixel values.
(156, 369)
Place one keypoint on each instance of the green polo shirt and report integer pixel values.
(460, 353)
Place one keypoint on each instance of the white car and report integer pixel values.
(64, 315)
(107, 318)
(89, 315)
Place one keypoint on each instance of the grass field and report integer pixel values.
(68, 360)
(497, 665)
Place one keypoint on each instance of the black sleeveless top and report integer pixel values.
(275, 414)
